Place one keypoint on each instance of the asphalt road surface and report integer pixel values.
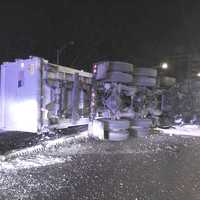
(155, 168)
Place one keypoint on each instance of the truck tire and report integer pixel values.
(121, 67)
(167, 81)
(143, 123)
(119, 77)
(142, 133)
(144, 81)
(142, 127)
(117, 124)
(118, 135)
(104, 67)
(145, 72)
(115, 66)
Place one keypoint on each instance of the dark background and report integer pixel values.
(142, 32)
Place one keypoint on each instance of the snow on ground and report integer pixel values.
(64, 149)
(157, 167)
(187, 130)
(41, 155)
(32, 162)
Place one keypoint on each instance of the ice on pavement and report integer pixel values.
(38, 161)
(41, 155)
(187, 130)
(57, 155)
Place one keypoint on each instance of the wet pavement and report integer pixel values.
(154, 168)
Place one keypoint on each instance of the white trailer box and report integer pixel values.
(36, 95)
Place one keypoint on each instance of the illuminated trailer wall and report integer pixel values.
(36, 96)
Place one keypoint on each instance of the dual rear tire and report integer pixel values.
(117, 130)
(145, 77)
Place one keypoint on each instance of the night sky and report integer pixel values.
(142, 32)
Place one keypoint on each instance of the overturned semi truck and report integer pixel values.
(115, 100)
(38, 96)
